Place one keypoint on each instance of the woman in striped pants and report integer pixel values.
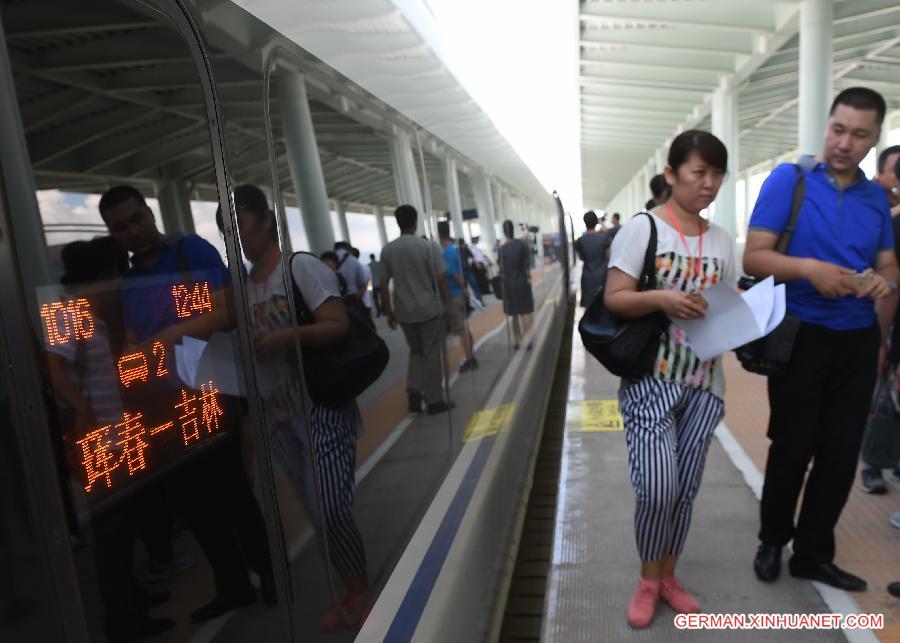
(315, 445)
(670, 413)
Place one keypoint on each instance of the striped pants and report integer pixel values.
(668, 428)
(334, 450)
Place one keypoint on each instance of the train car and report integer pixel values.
(170, 463)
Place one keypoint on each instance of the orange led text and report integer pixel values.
(192, 301)
(125, 444)
(68, 321)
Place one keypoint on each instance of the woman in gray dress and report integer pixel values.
(515, 270)
(593, 250)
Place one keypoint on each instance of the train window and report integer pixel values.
(137, 330)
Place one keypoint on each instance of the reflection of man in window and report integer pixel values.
(150, 311)
(219, 503)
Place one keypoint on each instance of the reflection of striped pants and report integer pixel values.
(334, 448)
(668, 428)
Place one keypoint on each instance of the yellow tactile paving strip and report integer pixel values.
(866, 543)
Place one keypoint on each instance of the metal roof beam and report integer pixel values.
(691, 62)
(628, 92)
(151, 47)
(149, 159)
(630, 13)
(97, 155)
(687, 37)
(55, 142)
(586, 80)
(845, 12)
(36, 19)
(45, 110)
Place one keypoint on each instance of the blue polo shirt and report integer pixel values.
(847, 227)
(148, 305)
(452, 269)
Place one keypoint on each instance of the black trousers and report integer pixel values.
(818, 413)
(376, 300)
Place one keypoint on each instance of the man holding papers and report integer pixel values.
(840, 274)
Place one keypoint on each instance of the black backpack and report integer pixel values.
(336, 375)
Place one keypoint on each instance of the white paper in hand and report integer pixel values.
(219, 365)
(734, 319)
(187, 359)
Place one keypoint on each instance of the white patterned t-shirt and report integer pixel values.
(676, 362)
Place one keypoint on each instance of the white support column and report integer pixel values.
(304, 163)
(175, 206)
(454, 202)
(645, 180)
(883, 141)
(725, 126)
(341, 209)
(484, 202)
(409, 192)
(816, 51)
(382, 231)
(748, 207)
(660, 159)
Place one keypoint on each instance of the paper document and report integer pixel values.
(187, 359)
(734, 319)
(199, 362)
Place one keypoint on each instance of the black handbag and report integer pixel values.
(770, 355)
(626, 347)
(337, 374)
(881, 441)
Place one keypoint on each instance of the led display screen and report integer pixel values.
(143, 413)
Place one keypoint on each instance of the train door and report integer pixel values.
(133, 406)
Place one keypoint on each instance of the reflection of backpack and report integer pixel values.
(337, 374)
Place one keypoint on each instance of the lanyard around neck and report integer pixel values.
(696, 268)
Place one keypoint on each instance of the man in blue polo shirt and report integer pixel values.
(841, 274)
(219, 505)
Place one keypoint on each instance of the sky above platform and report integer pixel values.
(519, 61)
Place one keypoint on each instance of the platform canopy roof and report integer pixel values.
(385, 50)
(649, 69)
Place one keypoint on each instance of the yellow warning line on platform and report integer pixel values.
(593, 416)
(488, 422)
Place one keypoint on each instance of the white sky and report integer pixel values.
(519, 60)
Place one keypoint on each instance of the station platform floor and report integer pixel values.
(594, 565)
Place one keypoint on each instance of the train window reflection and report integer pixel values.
(137, 335)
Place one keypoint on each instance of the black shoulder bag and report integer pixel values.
(336, 375)
(770, 355)
(626, 347)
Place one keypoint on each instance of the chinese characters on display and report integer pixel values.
(106, 452)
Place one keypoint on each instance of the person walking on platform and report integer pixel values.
(314, 444)
(456, 303)
(416, 265)
(515, 273)
(841, 276)
(480, 264)
(592, 248)
(375, 269)
(670, 414)
(872, 480)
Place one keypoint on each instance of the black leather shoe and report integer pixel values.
(827, 573)
(440, 407)
(767, 563)
(224, 604)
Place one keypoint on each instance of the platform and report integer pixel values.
(595, 565)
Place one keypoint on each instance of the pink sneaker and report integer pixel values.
(643, 604)
(678, 598)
